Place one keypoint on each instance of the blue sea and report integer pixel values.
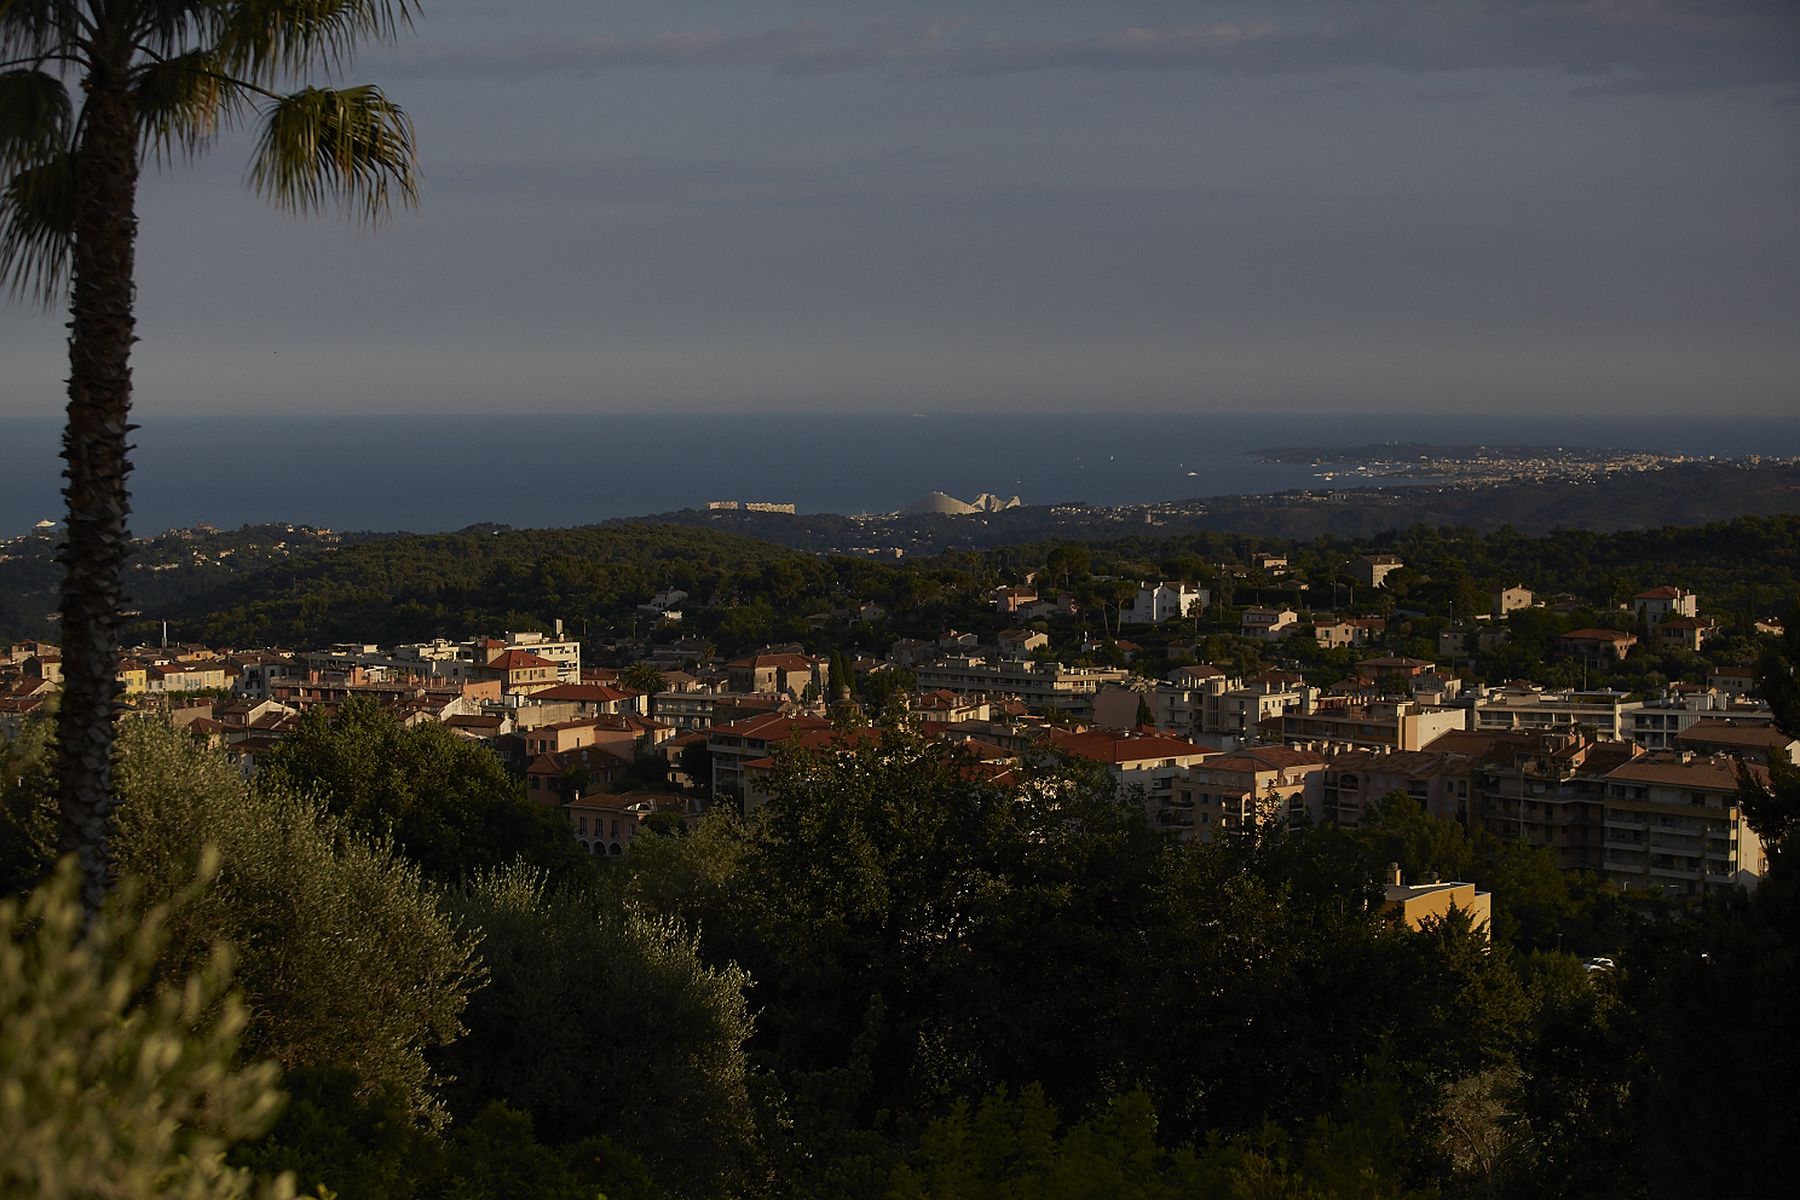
(433, 473)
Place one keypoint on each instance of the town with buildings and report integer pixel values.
(1477, 466)
(1640, 789)
(1116, 600)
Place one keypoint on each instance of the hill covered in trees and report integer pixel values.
(1680, 494)
(744, 593)
(895, 980)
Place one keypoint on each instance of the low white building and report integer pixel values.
(1159, 602)
(1269, 624)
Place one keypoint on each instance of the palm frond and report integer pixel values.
(261, 39)
(166, 27)
(36, 28)
(350, 144)
(37, 228)
(35, 118)
(183, 101)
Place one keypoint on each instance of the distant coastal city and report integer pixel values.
(1104, 600)
(1478, 466)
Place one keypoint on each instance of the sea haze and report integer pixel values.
(429, 474)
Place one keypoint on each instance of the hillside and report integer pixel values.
(1684, 494)
(406, 587)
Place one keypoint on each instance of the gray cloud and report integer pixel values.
(807, 49)
(1612, 46)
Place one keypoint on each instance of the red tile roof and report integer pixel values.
(585, 693)
(518, 660)
(1100, 745)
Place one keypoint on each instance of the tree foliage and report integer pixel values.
(602, 1022)
(344, 953)
(116, 1079)
(449, 805)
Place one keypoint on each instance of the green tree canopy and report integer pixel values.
(117, 1080)
(449, 805)
(343, 950)
(602, 1022)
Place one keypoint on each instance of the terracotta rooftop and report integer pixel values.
(518, 660)
(585, 693)
(1101, 745)
(1707, 773)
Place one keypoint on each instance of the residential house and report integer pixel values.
(133, 677)
(554, 739)
(1238, 790)
(554, 779)
(1041, 685)
(940, 709)
(1747, 741)
(1525, 706)
(741, 742)
(1372, 570)
(1269, 624)
(1674, 823)
(569, 701)
(666, 603)
(1544, 788)
(1048, 608)
(563, 652)
(778, 675)
(1417, 904)
(1733, 682)
(1352, 785)
(1020, 643)
(1159, 602)
(192, 676)
(1598, 643)
(522, 672)
(1511, 599)
(1658, 604)
(1009, 600)
(1151, 761)
(1371, 672)
(1682, 633)
(1338, 724)
(1337, 632)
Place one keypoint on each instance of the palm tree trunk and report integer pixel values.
(101, 334)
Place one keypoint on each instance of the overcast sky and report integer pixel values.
(1015, 205)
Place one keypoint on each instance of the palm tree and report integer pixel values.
(157, 78)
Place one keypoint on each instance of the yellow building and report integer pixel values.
(1416, 903)
(134, 679)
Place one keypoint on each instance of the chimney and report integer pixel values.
(1394, 874)
(558, 628)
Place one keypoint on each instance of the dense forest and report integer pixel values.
(895, 980)
(745, 593)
